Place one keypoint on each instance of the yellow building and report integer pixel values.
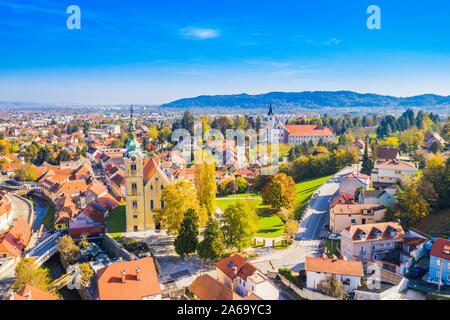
(144, 184)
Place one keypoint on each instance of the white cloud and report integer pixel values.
(199, 33)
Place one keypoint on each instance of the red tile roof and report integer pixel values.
(440, 246)
(334, 266)
(206, 287)
(112, 287)
(16, 239)
(308, 130)
(31, 293)
(236, 265)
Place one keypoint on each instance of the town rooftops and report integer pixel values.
(206, 287)
(308, 130)
(441, 249)
(236, 265)
(31, 293)
(132, 280)
(356, 175)
(375, 231)
(334, 265)
(16, 239)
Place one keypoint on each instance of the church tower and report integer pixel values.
(134, 181)
(271, 125)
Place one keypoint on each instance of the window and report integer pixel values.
(135, 204)
(388, 244)
(381, 245)
(353, 221)
(134, 186)
(151, 187)
(135, 216)
(151, 204)
(374, 247)
(133, 167)
(162, 187)
(135, 228)
(162, 204)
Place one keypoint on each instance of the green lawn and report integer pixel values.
(116, 221)
(271, 226)
(48, 219)
(436, 225)
(304, 191)
(224, 202)
(336, 246)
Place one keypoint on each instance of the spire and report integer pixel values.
(133, 146)
(270, 110)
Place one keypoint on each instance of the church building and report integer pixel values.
(144, 184)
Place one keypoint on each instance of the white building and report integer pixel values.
(319, 268)
(391, 171)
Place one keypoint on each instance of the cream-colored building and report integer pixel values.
(144, 184)
(346, 215)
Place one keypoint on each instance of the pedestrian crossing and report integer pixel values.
(311, 243)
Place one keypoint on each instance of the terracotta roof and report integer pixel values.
(334, 266)
(440, 246)
(236, 265)
(111, 287)
(206, 287)
(11, 166)
(76, 232)
(98, 188)
(342, 198)
(16, 239)
(355, 175)
(31, 293)
(396, 163)
(308, 130)
(370, 230)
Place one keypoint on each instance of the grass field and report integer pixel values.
(271, 226)
(436, 225)
(48, 219)
(116, 221)
(304, 191)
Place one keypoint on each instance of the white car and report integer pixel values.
(334, 236)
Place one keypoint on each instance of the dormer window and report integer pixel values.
(393, 233)
(378, 234)
(362, 236)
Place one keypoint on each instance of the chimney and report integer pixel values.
(138, 275)
(28, 296)
(123, 275)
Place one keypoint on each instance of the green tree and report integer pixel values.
(187, 240)
(280, 192)
(242, 184)
(435, 147)
(188, 122)
(332, 287)
(367, 163)
(212, 246)
(240, 223)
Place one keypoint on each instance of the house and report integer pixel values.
(431, 137)
(370, 241)
(11, 167)
(354, 181)
(295, 134)
(439, 269)
(384, 244)
(96, 190)
(65, 209)
(376, 196)
(319, 268)
(28, 292)
(387, 153)
(131, 280)
(239, 275)
(390, 285)
(14, 241)
(342, 198)
(390, 171)
(205, 287)
(6, 206)
(345, 215)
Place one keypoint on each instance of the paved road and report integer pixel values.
(307, 240)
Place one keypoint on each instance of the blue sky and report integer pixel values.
(153, 52)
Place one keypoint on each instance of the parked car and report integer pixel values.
(334, 236)
(417, 272)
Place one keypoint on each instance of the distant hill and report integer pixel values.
(309, 100)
